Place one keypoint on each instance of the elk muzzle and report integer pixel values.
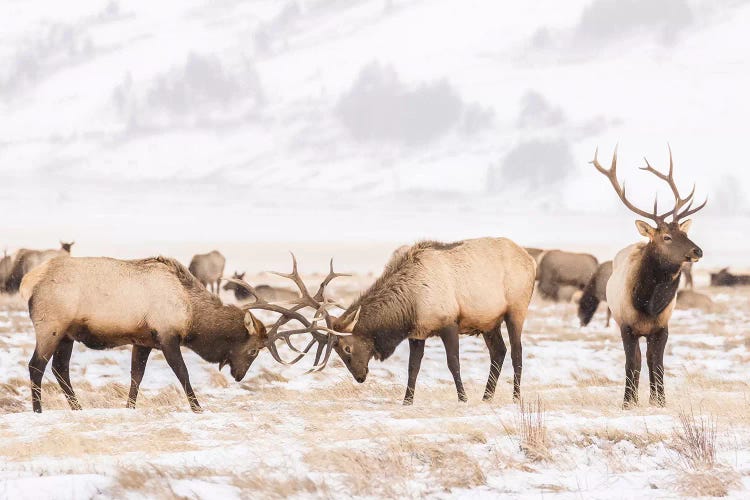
(694, 255)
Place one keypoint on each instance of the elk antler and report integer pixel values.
(324, 336)
(679, 201)
(611, 174)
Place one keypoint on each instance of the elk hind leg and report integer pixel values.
(514, 321)
(46, 345)
(449, 336)
(138, 361)
(61, 369)
(497, 348)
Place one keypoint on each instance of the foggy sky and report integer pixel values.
(230, 119)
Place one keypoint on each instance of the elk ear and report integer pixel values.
(349, 322)
(645, 229)
(685, 226)
(241, 276)
(254, 325)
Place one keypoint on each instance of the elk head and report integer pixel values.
(230, 285)
(323, 335)
(242, 355)
(355, 351)
(66, 246)
(668, 239)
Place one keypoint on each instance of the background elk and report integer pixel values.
(6, 265)
(594, 293)
(153, 303)
(559, 269)
(645, 277)
(436, 289)
(725, 278)
(208, 268)
(265, 292)
(25, 260)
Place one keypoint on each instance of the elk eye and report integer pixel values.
(667, 237)
(348, 349)
(254, 352)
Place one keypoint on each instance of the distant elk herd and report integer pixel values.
(429, 289)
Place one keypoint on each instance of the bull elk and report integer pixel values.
(435, 289)
(645, 277)
(153, 303)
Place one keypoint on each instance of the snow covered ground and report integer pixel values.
(281, 433)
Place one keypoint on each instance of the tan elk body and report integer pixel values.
(152, 303)
(436, 289)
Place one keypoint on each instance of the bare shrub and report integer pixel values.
(699, 473)
(532, 430)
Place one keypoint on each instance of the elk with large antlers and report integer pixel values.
(430, 289)
(645, 277)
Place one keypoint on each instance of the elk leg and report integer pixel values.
(416, 351)
(655, 344)
(171, 350)
(632, 367)
(61, 369)
(138, 361)
(514, 324)
(38, 363)
(497, 348)
(449, 335)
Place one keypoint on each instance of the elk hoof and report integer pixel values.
(658, 402)
(629, 405)
(462, 398)
(408, 402)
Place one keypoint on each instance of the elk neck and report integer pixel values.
(655, 283)
(215, 329)
(387, 317)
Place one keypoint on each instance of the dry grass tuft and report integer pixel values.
(699, 473)
(694, 441)
(532, 430)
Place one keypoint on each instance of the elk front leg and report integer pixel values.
(449, 336)
(61, 369)
(497, 348)
(632, 367)
(416, 351)
(138, 361)
(655, 344)
(171, 349)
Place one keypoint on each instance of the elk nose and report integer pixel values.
(697, 252)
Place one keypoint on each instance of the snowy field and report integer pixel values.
(281, 433)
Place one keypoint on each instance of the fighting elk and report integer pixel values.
(153, 303)
(435, 289)
(645, 277)
(208, 268)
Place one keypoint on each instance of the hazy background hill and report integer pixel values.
(136, 127)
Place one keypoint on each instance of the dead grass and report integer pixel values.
(532, 430)
(698, 472)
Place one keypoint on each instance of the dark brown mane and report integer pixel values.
(388, 310)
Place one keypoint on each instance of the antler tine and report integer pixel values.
(679, 201)
(319, 295)
(688, 211)
(305, 298)
(611, 174)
